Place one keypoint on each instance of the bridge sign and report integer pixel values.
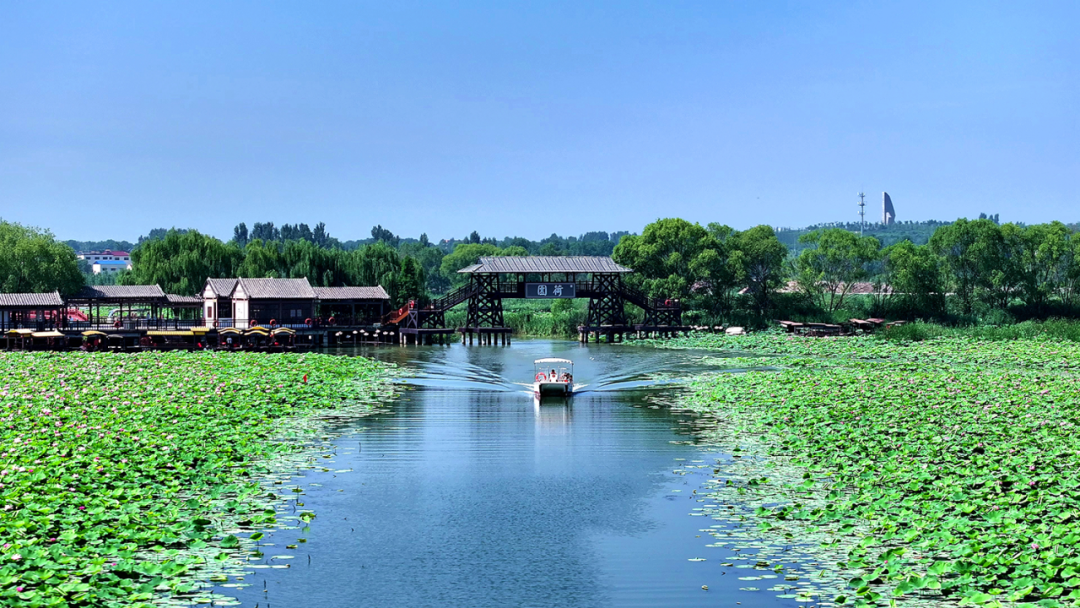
(550, 290)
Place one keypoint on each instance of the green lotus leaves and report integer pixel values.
(122, 475)
(946, 468)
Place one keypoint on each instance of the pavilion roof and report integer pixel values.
(17, 300)
(134, 293)
(277, 289)
(546, 264)
(222, 288)
(175, 299)
(351, 293)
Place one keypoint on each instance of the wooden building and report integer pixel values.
(186, 311)
(217, 302)
(351, 305)
(35, 311)
(126, 306)
(282, 302)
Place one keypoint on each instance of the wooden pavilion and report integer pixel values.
(351, 305)
(128, 307)
(35, 311)
(282, 302)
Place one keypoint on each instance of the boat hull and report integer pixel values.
(553, 388)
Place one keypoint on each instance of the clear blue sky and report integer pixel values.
(527, 119)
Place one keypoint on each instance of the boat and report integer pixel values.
(553, 377)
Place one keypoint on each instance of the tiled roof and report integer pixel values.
(30, 299)
(177, 299)
(351, 293)
(222, 288)
(120, 292)
(544, 264)
(284, 289)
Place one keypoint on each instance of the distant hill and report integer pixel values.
(100, 245)
(916, 232)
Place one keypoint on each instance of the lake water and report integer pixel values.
(467, 493)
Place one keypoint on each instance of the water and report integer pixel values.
(468, 493)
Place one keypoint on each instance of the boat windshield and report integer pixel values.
(554, 370)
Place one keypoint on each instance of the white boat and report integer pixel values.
(553, 377)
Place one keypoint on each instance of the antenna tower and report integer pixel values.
(862, 213)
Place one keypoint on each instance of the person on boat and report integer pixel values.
(554, 376)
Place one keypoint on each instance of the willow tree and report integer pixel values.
(181, 261)
(32, 260)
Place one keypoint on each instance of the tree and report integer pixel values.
(320, 236)
(837, 259)
(465, 254)
(32, 260)
(240, 234)
(1044, 261)
(474, 238)
(265, 232)
(181, 261)
(969, 249)
(672, 256)
(383, 235)
(262, 260)
(916, 277)
(757, 260)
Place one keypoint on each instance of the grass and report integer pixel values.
(119, 474)
(1053, 329)
(954, 461)
(535, 318)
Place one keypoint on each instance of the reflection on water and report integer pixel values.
(470, 492)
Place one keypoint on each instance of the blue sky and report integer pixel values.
(531, 118)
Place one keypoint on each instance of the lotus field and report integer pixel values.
(952, 466)
(115, 470)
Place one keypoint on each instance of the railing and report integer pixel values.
(130, 324)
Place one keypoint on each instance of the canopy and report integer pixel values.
(47, 334)
(170, 333)
(93, 333)
(553, 361)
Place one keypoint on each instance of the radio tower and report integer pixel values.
(862, 213)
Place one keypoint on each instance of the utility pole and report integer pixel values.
(862, 213)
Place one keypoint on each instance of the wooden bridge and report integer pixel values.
(494, 279)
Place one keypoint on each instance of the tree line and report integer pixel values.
(966, 271)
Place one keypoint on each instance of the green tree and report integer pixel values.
(970, 251)
(32, 260)
(262, 260)
(837, 259)
(757, 260)
(181, 261)
(465, 254)
(916, 277)
(672, 256)
(1045, 260)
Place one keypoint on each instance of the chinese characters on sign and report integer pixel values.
(550, 290)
